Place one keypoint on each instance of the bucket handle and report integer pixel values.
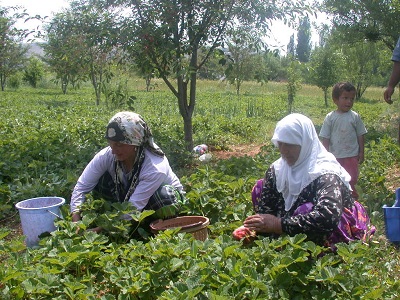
(54, 214)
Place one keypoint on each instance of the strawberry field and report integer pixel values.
(47, 138)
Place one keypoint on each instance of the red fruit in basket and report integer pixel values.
(244, 234)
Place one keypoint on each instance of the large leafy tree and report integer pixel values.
(64, 50)
(362, 62)
(366, 19)
(168, 34)
(81, 41)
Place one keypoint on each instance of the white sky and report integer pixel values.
(38, 7)
(279, 37)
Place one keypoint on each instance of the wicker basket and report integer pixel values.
(196, 225)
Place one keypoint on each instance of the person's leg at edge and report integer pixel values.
(350, 164)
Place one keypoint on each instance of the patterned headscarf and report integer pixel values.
(130, 128)
(314, 160)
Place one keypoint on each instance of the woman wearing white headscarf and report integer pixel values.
(132, 168)
(305, 190)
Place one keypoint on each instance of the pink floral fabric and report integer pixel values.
(354, 223)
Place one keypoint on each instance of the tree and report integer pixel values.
(294, 83)
(34, 71)
(12, 52)
(86, 43)
(362, 63)
(64, 50)
(324, 71)
(169, 34)
(366, 19)
(324, 33)
(291, 51)
(243, 46)
(214, 68)
(303, 48)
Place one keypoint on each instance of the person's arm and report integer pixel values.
(325, 142)
(360, 149)
(327, 196)
(269, 206)
(393, 81)
(89, 179)
(152, 175)
(361, 131)
(76, 216)
(264, 223)
(326, 131)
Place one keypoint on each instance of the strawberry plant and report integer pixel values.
(48, 138)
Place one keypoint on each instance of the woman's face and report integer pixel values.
(289, 152)
(123, 152)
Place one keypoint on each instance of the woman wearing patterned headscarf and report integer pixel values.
(305, 191)
(132, 168)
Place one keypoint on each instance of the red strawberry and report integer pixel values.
(244, 234)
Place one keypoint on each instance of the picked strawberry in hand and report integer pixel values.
(244, 234)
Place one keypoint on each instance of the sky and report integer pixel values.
(37, 7)
(278, 38)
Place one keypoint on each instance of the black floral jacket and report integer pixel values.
(328, 194)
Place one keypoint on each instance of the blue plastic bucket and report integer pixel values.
(37, 217)
(392, 223)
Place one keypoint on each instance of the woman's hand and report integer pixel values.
(95, 229)
(77, 217)
(264, 223)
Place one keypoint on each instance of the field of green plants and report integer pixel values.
(47, 138)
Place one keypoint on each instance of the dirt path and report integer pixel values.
(237, 151)
(393, 178)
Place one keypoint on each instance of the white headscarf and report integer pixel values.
(314, 160)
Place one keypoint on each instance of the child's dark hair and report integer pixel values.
(339, 87)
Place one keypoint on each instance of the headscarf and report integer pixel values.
(131, 129)
(314, 160)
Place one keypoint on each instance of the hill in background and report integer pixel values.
(34, 49)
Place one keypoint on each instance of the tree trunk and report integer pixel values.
(186, 110)
(64, 84)
(96, 87)
(96, 81)
(3, 81)
(188, 130)
(186, 107)
(290, 103)
(148, 81)
(238, 83)
(398, 137)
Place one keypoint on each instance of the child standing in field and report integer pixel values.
(342, 132)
